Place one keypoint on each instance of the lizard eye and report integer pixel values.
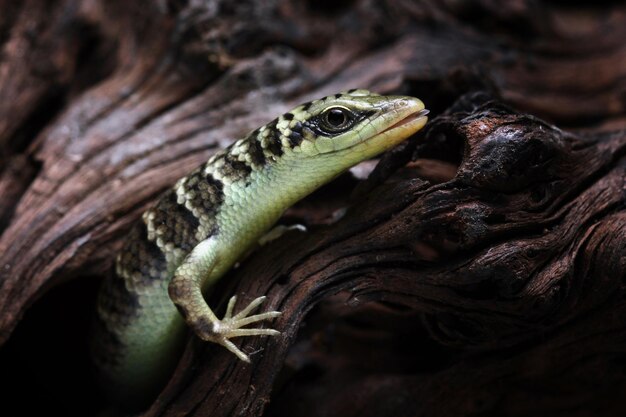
(337, 119)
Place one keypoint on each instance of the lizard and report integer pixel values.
(208, 220)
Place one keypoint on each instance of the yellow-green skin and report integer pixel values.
(211, 218)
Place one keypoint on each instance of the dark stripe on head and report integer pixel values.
(337, 95)
(295, 139)
(316, 125)
(307, 106)
(352, 90)
(288, 116)
(297, 127)
(174, 223)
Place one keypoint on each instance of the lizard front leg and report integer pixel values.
(185, 290)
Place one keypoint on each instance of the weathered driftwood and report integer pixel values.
(495, 240)
(521, 249)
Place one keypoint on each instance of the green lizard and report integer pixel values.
(203, 225)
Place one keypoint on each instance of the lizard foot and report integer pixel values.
(230, 326)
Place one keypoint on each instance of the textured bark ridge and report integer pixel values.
(477, 270)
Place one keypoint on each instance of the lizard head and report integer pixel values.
(354, 125)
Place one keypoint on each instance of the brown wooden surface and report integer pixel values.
(478, 270)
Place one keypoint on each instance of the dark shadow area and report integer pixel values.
(45, 365)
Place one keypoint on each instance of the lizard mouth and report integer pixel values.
(410, 118)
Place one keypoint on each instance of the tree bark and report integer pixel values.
(478, 269)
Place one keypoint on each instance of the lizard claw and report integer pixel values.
(221, 331)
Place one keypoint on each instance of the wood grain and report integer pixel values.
(479, 269)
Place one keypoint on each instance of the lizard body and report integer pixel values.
(203, 225)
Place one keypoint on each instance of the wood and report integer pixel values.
(478, 269)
